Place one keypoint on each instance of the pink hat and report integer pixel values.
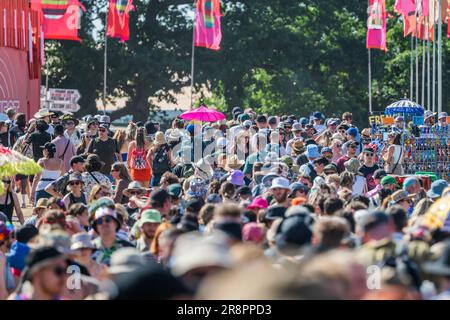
(258, 203)
(252, 232)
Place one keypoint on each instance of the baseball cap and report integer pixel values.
(387, 180)
(272, 120)
(174, 190)
(352, 131)
(368, 150)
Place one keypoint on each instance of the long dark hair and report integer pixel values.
(140, 137)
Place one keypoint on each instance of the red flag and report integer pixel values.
(118, 19)
(405, 7)
(61, 18)
(208, 33)
(376, 25)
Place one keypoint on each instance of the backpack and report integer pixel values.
(160, 162)
(313, 173)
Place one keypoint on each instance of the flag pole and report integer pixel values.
(434, 64)
(417, 68)
(428, 63)
(423, 73)
(193, 56)
(105, 61)
(411, 64)
(439, 102)
(370, 79)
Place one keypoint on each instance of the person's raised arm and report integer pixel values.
(50, 189)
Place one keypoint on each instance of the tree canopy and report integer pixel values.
(278, 56)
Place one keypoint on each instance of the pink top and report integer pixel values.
(61, 143)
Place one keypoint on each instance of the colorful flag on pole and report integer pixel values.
(118, 19)
(208, 33)
(61, 18)
(405, 7)
(376, 25)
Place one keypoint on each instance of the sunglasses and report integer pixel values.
(70, 123)
(114, 170)
(353, 147)
(75, 183)
(135, 193)
(369, 154)
(339, 146)
(102, 130)
(7, 181)
(104, 194)
(105, 219)
(59, 270)
(330, 172)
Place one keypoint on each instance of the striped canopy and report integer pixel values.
(405, 107)
(204, 114)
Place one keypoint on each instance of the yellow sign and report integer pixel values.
(376, 119)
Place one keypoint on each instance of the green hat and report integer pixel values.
(388, 180)
(174, 190)
(149, 215)
(287, 160)
(244, 116)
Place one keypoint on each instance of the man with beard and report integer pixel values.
(280, 190)
(148, 223)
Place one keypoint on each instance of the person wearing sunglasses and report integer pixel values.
(401, 198)
(369, 167)
(106, 224)
(351, 153)
(71, 132)
(76, 194)
(45, 275)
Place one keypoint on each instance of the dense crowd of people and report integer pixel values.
(257, 207)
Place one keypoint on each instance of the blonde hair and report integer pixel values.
(96, 190)
(131, 131)
(120, 137)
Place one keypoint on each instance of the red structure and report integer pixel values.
(20, 56)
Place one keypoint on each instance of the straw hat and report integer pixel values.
(233, 163)
(42, 113)
(160, 138)
(352, 165)
(298, 146)
(133, 186)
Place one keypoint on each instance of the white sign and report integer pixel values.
(64, 107)
(63, 95)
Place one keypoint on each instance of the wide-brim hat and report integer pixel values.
(134, 185)
(234, 163)
(81, 240)
(75, 177)
(69, 117)
(160, 138)
(298, 146)
(429, 114)
(43, 113)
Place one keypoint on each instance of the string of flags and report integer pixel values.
(419, 19)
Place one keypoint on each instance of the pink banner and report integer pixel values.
(376, 25)
(208, 33)
(406, 7)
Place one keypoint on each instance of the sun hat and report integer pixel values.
(296, 127)
(68, 117)
(233, 163)
(40, 204)
(55, 238)
(105, 212)
(160, 138)
(40, 257)
(203, 169)
(400, 195)
(303, 121)
(81, 240)
(149, 216)
(297, 186)
(281, 183)
(410, 181)
(387, 180)
(326, 149)
(126, 260)
(352, 165)
(222, 142)
(268, 178)
(312, 151)
(429, 114)
(197, 188)
(93, 161)
(294, 232)
(252, 232)
(298, 146)
(258, 203)
(133, 186)
(436, 189)
(174, 135)
(42, 113)
(442, 115)
(75, 177)
(236, 177)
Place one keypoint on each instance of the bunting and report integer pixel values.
(118, 19)
(376, 25)
(208, 32)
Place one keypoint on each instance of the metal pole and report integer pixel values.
(440, 57)
(428, 76)
(423, 73)
(411, 78)
(370, 80)
(105, 61)
(434, 65)
(417, 70)
(193, 58)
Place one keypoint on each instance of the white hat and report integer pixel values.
(281, 183)
(42, 113)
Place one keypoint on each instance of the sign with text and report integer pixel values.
(376, 118)
(63, 95)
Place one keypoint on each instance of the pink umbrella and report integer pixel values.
(204, 114)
